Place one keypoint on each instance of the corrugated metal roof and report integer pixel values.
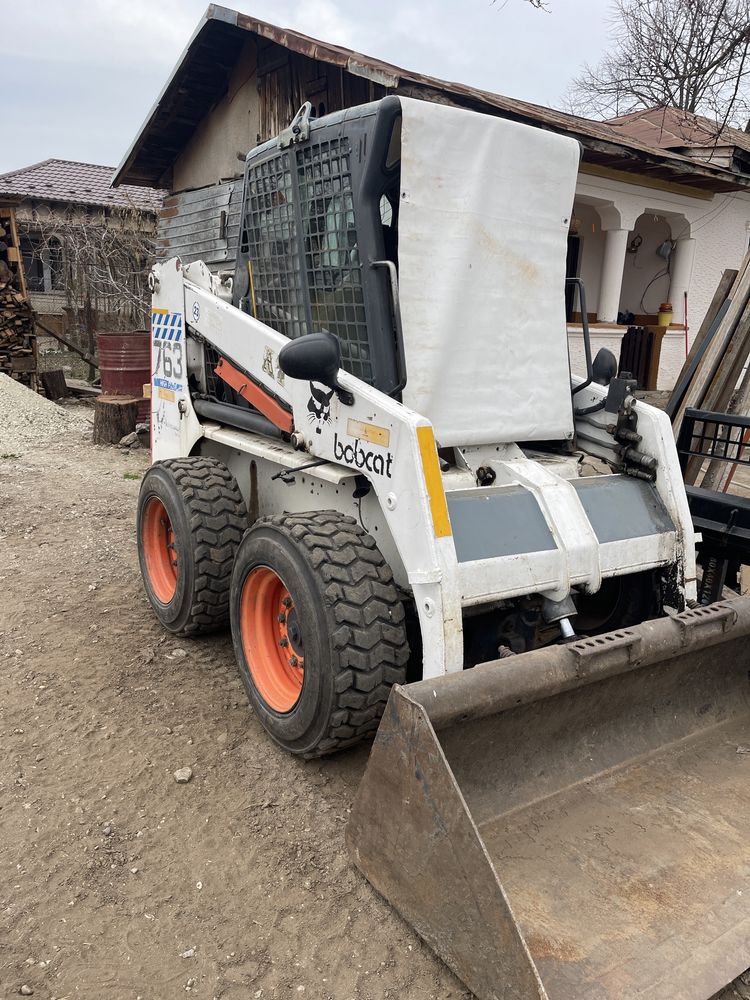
(201, 77)
(78, 184)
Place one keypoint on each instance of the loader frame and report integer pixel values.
(406, 507)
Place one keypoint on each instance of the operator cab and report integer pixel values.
(320, 219)
(440, 274)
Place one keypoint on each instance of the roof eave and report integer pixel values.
(212, 13)
(392, 77)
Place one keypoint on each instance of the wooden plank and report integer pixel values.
(23, 364)
(722, 291)
(17, 243)
(715, 351)
(719, 474)
(68, 343)
(78, 387)
(721, 387)
(54, 384)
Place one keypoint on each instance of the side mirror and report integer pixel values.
(315, 357)
(604, 367)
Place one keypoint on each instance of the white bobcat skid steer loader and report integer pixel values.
(369, 456)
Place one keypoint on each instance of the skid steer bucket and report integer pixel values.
(574, 823)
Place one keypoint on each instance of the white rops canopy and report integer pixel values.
(483, 224)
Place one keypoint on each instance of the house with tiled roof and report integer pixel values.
(69, 182)
(660, 210)
(63, 208)
(687, 134)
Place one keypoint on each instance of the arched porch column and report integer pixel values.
(682, 270)
(616, 243)
(616, 225)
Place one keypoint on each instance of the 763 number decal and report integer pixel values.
(168, 359)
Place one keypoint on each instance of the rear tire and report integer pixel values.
(318, 630)
(191, 518)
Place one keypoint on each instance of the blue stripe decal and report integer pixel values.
(166, 326)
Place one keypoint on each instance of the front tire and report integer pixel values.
(318, 630)
(190, 520)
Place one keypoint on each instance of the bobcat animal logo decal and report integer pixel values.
(319, 407)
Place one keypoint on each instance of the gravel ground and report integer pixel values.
(117, 881)
(28, 420)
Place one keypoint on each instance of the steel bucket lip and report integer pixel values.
(499, 685)
(415, 803)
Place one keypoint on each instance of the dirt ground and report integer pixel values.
(115, 881)
(110, 872)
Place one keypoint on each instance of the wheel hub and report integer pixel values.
(160, 550)
(272, 639)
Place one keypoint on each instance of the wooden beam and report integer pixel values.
(656, 183)
(697, 347)
(715, 351)
(68, 343)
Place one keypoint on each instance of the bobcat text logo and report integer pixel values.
(319, 407)
(362, 458)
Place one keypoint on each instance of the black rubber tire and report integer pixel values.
(352, 624)
(209, 518)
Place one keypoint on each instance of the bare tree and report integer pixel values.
(539, 4)
(690, 54)
(100, 260)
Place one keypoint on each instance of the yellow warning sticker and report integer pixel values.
(434, 480)
(167, 394)
(368, 432)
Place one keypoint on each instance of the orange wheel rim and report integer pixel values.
(272, 639)
(160, 550)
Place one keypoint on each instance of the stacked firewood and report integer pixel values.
(16, 326)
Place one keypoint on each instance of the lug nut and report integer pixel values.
(282, 617)
(287, 602)
(293, 661)
(283, 641)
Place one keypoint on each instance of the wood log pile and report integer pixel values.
(716, 373)
(16, 326)
(18, 355)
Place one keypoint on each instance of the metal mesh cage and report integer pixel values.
(273, 247)
(215, 386)
(332, 262)
(713, 435)
(303, 249)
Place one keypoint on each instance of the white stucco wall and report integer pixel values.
(645, 280)
(720, 226)
(592, 250)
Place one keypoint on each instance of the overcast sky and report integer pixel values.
(83, 73)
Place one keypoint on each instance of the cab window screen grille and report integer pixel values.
(215, 387)
(273, 247)
(332, 264)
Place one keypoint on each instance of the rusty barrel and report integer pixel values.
(572, 823)
(125, 366)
